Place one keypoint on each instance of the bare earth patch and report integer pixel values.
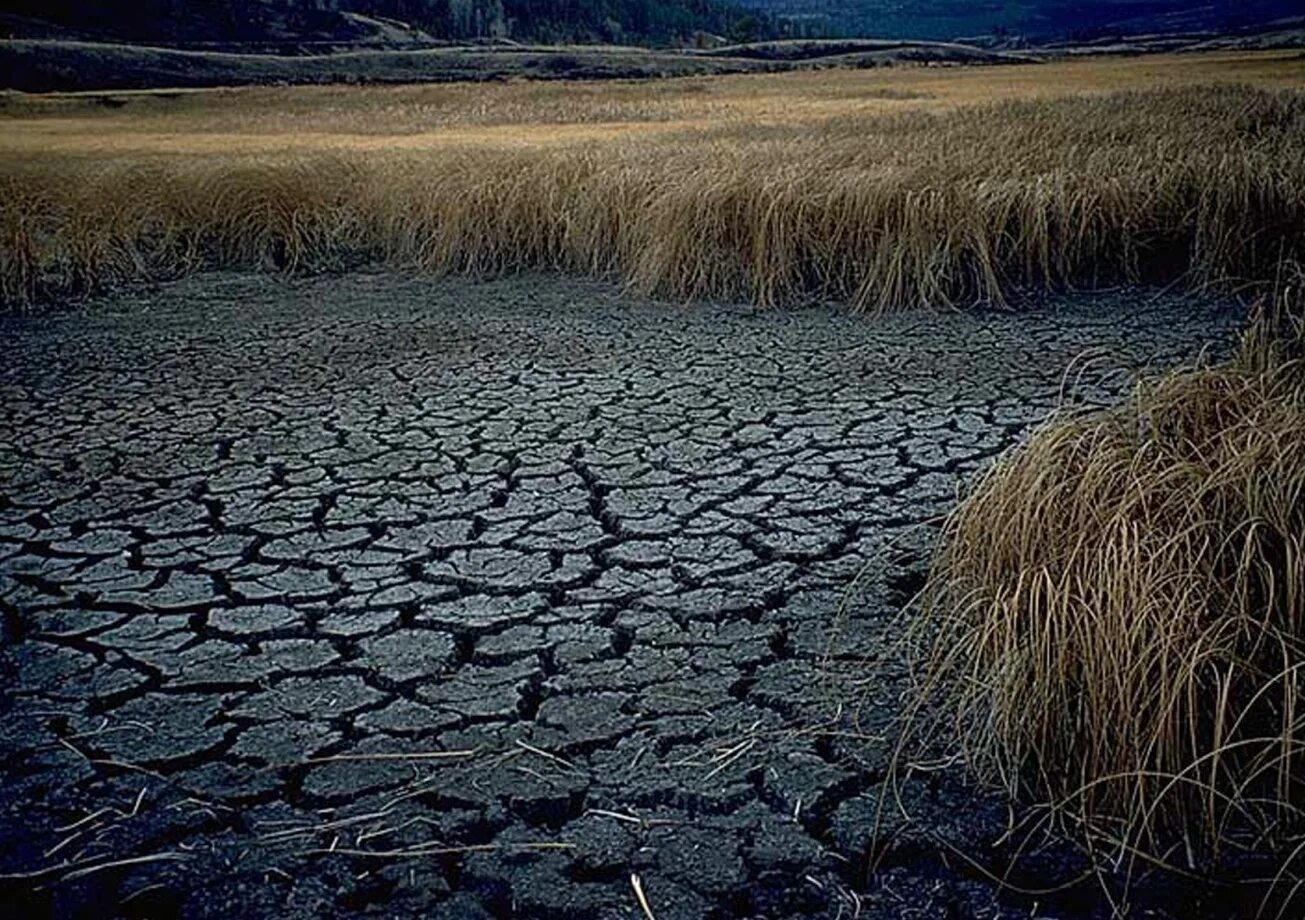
(367, 595)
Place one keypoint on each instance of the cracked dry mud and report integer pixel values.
(378, 596)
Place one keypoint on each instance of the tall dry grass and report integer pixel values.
(1116, 616)
(880, 211)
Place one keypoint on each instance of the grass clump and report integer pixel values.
(1117, 611)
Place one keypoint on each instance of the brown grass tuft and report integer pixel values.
(1116, 615)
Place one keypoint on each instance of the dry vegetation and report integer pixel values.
(1118, 609)
(877, 188)
(1117, 613)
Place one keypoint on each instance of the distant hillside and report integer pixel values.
(46, 65)
(1036, 20)
(313, 26)
(215, 23)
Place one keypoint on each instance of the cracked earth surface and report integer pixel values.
(376, 596)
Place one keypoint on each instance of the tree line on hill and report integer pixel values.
(178, 22)
(569, 20)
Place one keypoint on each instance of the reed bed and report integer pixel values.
(1116, 615)
(879, 211)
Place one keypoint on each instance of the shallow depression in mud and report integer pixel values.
(370, 594)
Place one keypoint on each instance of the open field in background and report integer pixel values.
(269, 120)
(880, 188)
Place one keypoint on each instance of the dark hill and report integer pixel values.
(291, 23)
(1034, 20)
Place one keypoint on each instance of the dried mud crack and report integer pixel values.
(375, 596)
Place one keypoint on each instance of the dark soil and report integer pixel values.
(260, 540)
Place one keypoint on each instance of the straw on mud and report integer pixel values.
(122, 863)
(421, 850)
(637, 884)
(400, 757)
(539, 752)
(79, 869)
(731, 756)
(302, 830)
(141, 892)
(107, 762)
(615, 815)
(93, 816)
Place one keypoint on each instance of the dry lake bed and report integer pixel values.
(370, 595)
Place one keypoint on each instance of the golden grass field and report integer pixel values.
(879, 188)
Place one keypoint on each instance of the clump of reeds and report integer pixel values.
(1116, 615)
(876, 211)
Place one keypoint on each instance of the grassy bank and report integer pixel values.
(882, 192)
(1117, 617)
